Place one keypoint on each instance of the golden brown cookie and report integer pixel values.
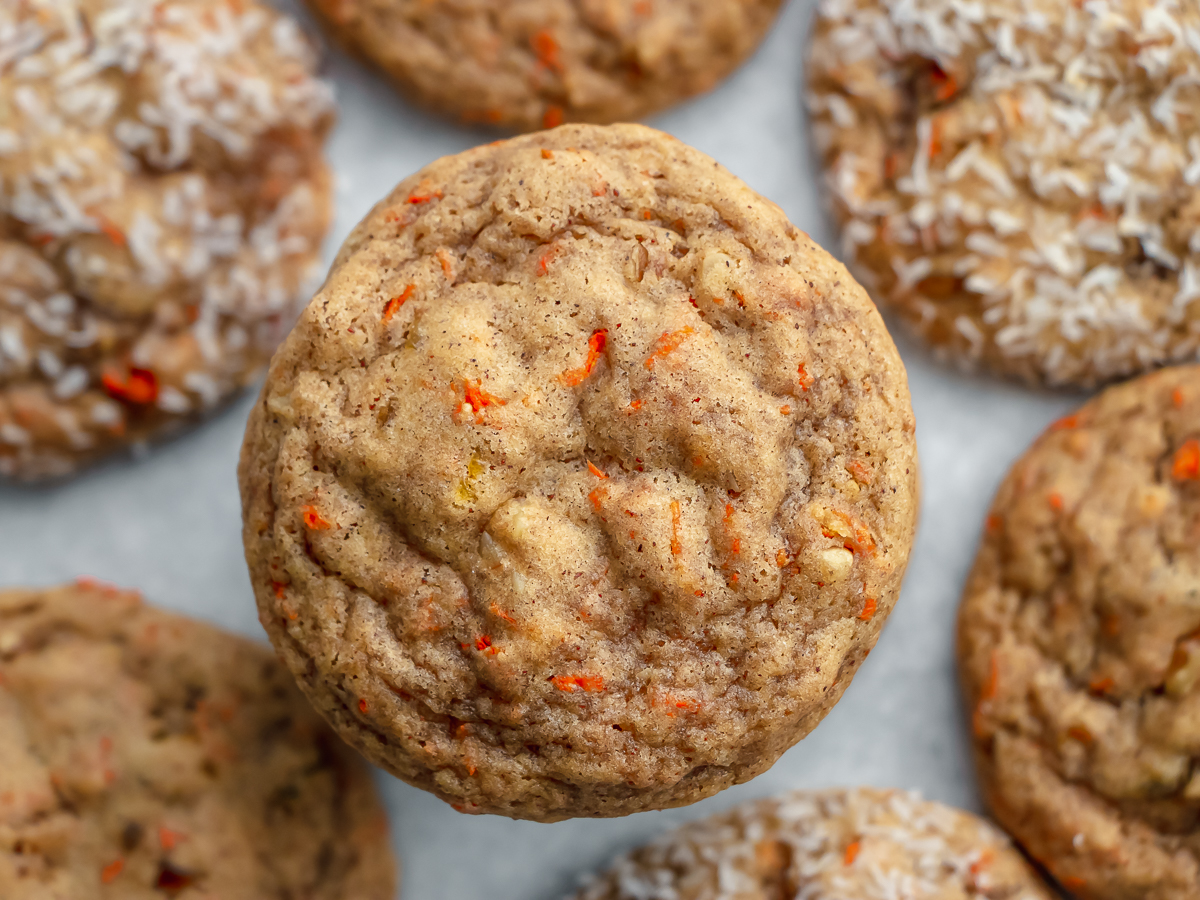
(1078, 644)
(1019, 179)
(585, 483)
(861, 844)
(162, 202)
(536, 63)
(145, 755)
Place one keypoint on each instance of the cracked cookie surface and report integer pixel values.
(585, 483)
(1079, 649)
(1018, 178)
(864, 843)
(146, 755)
(163, 197)
(528, 64)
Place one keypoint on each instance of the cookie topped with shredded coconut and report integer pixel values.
(1020, 179)
(862, 844)
(162, 200)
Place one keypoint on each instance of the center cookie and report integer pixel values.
(586, 482)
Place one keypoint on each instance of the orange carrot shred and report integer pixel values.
(110, 872)
(393, 305)
(598, 496)
(785, 409)
(110, 230)
(986, 858)
(676, 547)
(362, 706)
(1177, 398)
(314, 520)
(478, 399)
(140, 386)
(868, 610)
(1066, 423)
(851, 853)
(278, 587)
(168, 839)
(416, 198)
(994, 523)
(596, 344)
(543, 264)
(547, 154)
(1081, 734)
(781, 558)
(1186, 464)
(447, 262)
(553, 117)
(595, 471)
(992, 686)
(546, 48)
(497, 611)
(1072, 882)
(1056, 501)
(647, 215)
(945, 84)
(572, 683)
(635, 404)
(667, 343)
(1101, 685)
(806, 380)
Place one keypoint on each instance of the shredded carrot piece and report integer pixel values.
(362, 706)
(945, 84)
(642, 7)
(314, 520)
(1073, 882)
(935, 137)
(635, 404)
(393, 305)
(851, 853)
(447, 262)
(596, 344)
(994, 523)
(595, 471)
(862, 541)
(553, 117)
(168, 839)
(1101, 685)
(543, 264)
(278, 587)
(598, 496)
(860, 471)
(667, 343)
(1081, 734)
(497, 611)
(110, 872)
(992, 686)
(41, 239)
(546, 48)
(478, 399)
(786, 409)
(572, 683)
(986, 857)
(1066, 423)
(1056, 501)
(140, 386)
(781, 558)
(484, 644)
(735, 545)
(647, 215)
(676, 547)
(417, 197)
(868, 610)
(1177, 398)
(1186, 465)
(806, 380)
(547, 154)
(110, 230)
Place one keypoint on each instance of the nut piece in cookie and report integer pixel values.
(162, 202)
(827, 845)
(145, 755)
(1079, 649)
(539, 63)
(586, 482)
(1019, 180)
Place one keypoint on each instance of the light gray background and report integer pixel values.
(170, 525)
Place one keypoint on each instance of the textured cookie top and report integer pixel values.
(536, 63)
(1079, 643)
(1019, 177)
(145, 755)
(162, 197)
(862, 844)
(585, 482)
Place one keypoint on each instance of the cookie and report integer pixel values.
(143, 754)
(1018, 180)
(585, 483)
(538, 63)
(162, 202)
(1079, 649)
(865, 844)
